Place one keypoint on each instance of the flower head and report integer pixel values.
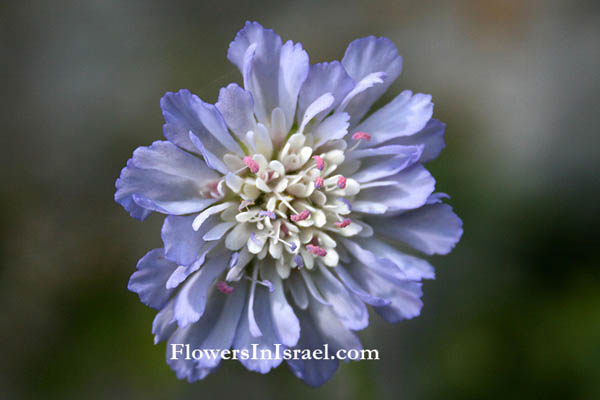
(284, 202)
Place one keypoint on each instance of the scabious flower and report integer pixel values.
(286, 203)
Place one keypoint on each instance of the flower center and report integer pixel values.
(294, 204)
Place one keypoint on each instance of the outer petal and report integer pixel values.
(163, 325)
(285, 322)
(256, 52)
(190, 302)
(403, 116)
(432, 229)
(184, 112)
(324, 78)
(237, 107)
(413, 267)
(320, 326)
(193, 335)
(381, 162)
(149, 280)
(404, 295)
(313, 372)
(363, 57)
(431, 137)
(349, 309)
(163, 178)
(406, 190)
(221, 332)
(183, 244)
(244, 339)
(381, 264)
(293, 70)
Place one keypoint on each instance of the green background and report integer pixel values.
(515, 309)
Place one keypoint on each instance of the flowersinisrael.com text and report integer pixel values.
(184, 351)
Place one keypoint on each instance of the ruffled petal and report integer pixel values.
(149, 280)
(366, 56)
(244, 340)
(406, 190)
(184, 112)
(190, 301)
(324, 78)
(432, 229)
(285, 322)
(293, 70)
(404, 295)
(431, 137)
(193, 335)
(313, 372)
(221, 332)
(412, 267)
(237, 107)
(163, 325)
(320, 326)
(183, 244)
(348, 308)
(406, 115)
(382, 265)
(381, 162)
(164, 178)
(256, 52)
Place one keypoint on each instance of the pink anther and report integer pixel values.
(223, 287)
(300, 217)
(344, 223)
(341, 182)
(319, 182)
(250, 163)
(361, 135)
(316, 250)
(320, 162)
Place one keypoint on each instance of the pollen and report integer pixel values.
(250, 163)
(361, 136)
(319, 182)
(316, 250)
(341, 182)
(344, 223)
(300, 217)
(320, 162)
(223, 287)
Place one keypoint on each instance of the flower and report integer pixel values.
(285, 202)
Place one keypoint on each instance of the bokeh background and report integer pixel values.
(515, 310)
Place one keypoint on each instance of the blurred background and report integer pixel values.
(515, 309)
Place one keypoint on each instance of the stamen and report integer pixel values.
(300, 217)
(266, 283)
(245, 204)
(293, 246)
(319, 182)
(223, 287)
(266, 213)
(285, 229)
(344, 223)
(346, 202)
(234, 259)
(253, 165)
(361, 135)
(316, 250)
(341, 182)
(284, 201)
(255, 239)
(320, 162)
(299, 261)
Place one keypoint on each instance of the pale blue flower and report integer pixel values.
(285, 202)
